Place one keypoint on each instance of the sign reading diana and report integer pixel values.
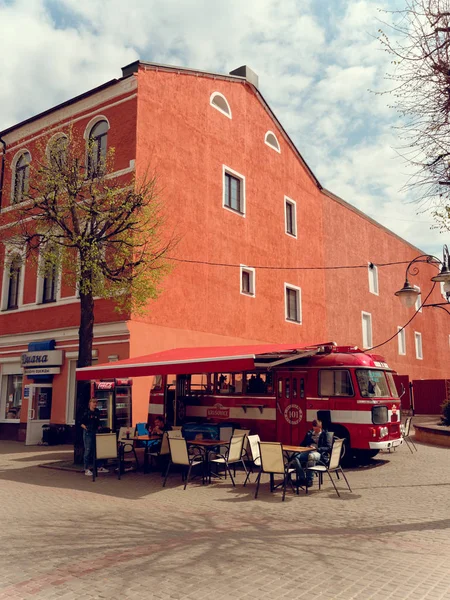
(44, 358)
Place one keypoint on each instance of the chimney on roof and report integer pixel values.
(246, 72)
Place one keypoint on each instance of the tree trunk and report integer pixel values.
(83, 393)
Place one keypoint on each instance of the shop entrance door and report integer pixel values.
(291, 406)
(39, 409)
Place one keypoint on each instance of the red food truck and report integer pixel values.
(277, 391)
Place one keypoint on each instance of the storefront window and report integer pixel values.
(13, 404)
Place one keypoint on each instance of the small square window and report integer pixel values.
(247, 281)
(401, 340)
(233, 191)
(373, 279)
(418, 341)
(293, 303)
(367, 330)
(290, 214)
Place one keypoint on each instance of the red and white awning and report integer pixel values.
(196, 360)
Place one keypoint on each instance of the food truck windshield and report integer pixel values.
(374, 383)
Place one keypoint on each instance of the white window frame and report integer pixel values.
(211, 101)
(298, 290)
(10, 253)
(241, 177)
(292, 203)
(401, 341)
(251, 271)
(276, 145)
(368, 334)
(374, 287)
(418, 344)
(418, 303)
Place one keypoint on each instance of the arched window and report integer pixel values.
(272, 141)
(219, 101)
(15, 269)
(21, 177)
(97, 145)
(57, 149)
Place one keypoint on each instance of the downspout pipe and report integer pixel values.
(2, 170)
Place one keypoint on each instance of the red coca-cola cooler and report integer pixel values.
(114, 402)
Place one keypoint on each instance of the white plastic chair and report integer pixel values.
(253, 443)
(333, 466)
(272, 462)
(233, 456)
(179, 456)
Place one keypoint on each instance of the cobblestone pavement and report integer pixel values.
(65, 537)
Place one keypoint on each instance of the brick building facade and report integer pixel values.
(238, 196)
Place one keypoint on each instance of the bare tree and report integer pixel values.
(102, 232)
(419, 44)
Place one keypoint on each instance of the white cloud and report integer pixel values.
(316, 62)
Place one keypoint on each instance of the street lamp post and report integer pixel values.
(408, 294)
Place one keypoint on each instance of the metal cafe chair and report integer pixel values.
(105, 448)
(253, 443)
(406, 434)
(179, 456)
(272, 462)
(161, 449)
(175, 433)
(333, 466)
(232, 456)
(125, 444)
(246, 433)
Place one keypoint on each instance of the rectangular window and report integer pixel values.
(418, 341)
(49, 285)
(366, 330)
(247, 281)
(401, 341)
(13, 274)
(290, 213)
(335, 383)
(373, 279)
(293, 303)
(372, 383)
(233, 191)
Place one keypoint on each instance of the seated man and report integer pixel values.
(317, 438)
(159, 427)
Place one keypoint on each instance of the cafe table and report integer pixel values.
(208, 446)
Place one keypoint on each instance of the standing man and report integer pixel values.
(90, 423)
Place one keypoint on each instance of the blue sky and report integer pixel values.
(316, 61)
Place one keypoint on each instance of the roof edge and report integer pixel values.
(359, 212)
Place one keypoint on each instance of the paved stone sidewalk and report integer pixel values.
(64, 537)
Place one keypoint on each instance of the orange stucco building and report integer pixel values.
(247, 211)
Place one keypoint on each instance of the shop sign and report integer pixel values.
(293, 414)
(218, 411)
(43, 371)
(42, 358)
